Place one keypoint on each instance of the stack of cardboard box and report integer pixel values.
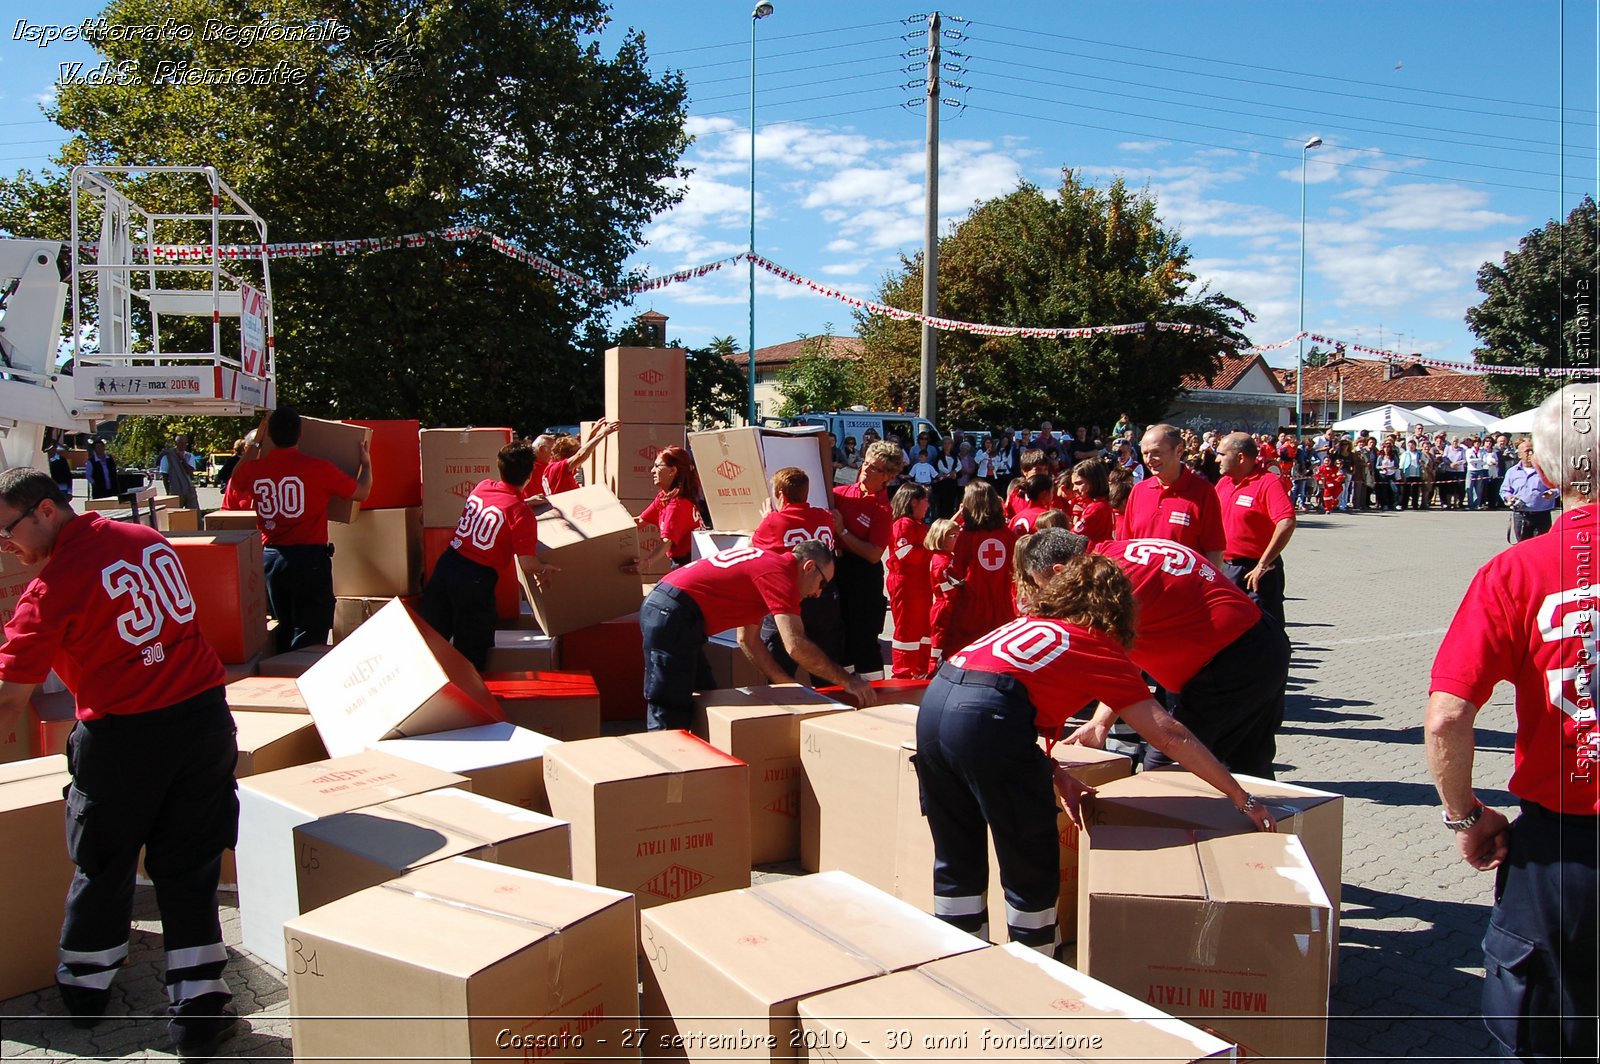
(736, 467)
(645, 395)
(34, 881)
(378, 556)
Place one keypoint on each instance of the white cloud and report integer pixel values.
(845, 269)
(841, 246)
(1421, 205)
(1141, 145)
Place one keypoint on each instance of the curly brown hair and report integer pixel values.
(1091, 590)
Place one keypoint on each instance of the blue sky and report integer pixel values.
(1443, 144)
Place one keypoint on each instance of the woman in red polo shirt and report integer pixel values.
(673, 511)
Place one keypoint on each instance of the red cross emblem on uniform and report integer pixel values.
(992, 555)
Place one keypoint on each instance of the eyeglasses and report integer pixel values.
(5, 533)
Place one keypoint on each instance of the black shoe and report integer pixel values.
(85, 1008)
(200, 1038)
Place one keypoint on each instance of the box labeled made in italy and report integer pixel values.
(725, 973)
(466, 960)
(1002, 1003)
(761, 727)
(662, 815)
(453, 462)
(391, 677)
(1232, 931)
(736, 467)
(346, 852)
(273, 804)
(589, 536)
(645, 384)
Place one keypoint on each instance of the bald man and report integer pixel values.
(1257, 521)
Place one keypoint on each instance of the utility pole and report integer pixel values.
(930, 230)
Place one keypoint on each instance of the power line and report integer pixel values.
(800, 69)
(780, 37)
(781, 88)
(1247, 151)
(1253, 81)
(806, 99)
(1295, 73)
(1321, 116)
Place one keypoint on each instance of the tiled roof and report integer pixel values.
(1364, 383)
(1230, 371)
(780, 355)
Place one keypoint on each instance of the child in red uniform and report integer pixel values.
(943, 585)
(1091, 483)
(673, 511)
(1035, 497)
(1331, 476)
(983, 563)
(910, 593)
(793, 521)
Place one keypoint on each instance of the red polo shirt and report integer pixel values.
(740, 586)
(1185, 513)
(290, 493)
(495, 525)
(791, 523)
(1062, 666)
(865, 515)
(112, 613)
(1251, 510)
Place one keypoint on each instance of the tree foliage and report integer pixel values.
(427, 113)
(716, 392)
(1538, 306)
(1082, 256)
(820, 377)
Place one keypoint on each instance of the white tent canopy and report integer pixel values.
(1446, 420)
(1482, 418)
(1385, 418)
(1521, 422)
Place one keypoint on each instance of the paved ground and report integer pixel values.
(1370, 598)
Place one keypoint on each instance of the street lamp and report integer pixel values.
(1300, 341)
(761, 11)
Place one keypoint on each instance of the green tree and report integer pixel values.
(820, 377)
(1316, 357)
(717, 393)
(1538, 307)
(409, 115)
(1083, 256)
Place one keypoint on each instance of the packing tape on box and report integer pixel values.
(471, 906)
(821, 931)
(674, 781)
(1206, 942)
(999, 1014)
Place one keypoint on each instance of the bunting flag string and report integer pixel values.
(200, 254)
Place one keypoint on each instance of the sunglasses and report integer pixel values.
(5, 533)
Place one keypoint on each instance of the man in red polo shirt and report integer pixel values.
(1174, 502)
(732, 589)
(151, 757)
(291, 492)
(496, 527)
(1529, 617)
(1223, 663)
(1257, 521)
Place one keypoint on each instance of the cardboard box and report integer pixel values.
(34, 880)
(914, 842)
(453, 462)
(57, 715)
(662, 815)
(178, 520)
(346, 852)
(1177, 799)
(521, 650)
(645, 384)
(562, 705)
(396, 464)
(1228, 930)
(761, 727)
(742, 960)
(613, 653)
(230, 520)
(14, 580)
(269, 741)
(850, 790)
(1002, 1003)
(649, 540)
(379, 554)
(736, 467)
(503, 761)
(730, 666)
(340, 443)
(266, 694)
(273, 804)
(225, 575)
(391, 677)
(351, 613)
(292, 663)
(20, 742)
(589, 536)
(623, 461)
(466, 960)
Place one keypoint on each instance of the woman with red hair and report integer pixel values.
(674, 511)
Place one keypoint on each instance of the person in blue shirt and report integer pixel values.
(1528, 496)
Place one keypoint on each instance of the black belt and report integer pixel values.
(1241, 561)
(974, 678)
(1541, 812)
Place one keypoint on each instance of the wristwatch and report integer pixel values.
(1465, 822)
